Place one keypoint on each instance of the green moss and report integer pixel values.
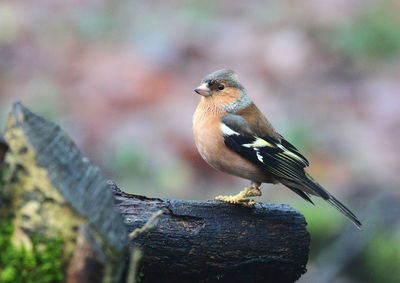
(42, 263)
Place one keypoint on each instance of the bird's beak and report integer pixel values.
(203, 90)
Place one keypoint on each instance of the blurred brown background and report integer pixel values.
(118, 76)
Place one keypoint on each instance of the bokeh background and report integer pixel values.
(118, 76)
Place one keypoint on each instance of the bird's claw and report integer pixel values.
(242, 198)
(236, 200)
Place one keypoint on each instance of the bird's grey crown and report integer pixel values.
(230, 77)
(224, 75)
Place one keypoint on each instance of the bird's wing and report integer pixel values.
(278, 157)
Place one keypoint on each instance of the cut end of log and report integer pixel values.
(55, 191)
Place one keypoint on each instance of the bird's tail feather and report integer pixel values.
(310, 184)
(343, 209)
(301, 193)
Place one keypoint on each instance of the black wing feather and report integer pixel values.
(291, 147)
(286, 163)
(274, 159)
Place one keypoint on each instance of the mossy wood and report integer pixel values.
(53, 192)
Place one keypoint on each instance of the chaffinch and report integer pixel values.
(233, 136)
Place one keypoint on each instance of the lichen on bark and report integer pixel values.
(37, 204)
(37, 226)
(41, 262)
(57, 202)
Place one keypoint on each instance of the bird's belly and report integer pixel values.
(210, 144)
(231, 163)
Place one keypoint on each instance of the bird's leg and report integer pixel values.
(243, 197)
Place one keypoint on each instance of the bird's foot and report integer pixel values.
(242, 198)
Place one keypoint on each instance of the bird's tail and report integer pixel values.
(343, 209)
(317, 189)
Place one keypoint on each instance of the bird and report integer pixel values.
(233, 136)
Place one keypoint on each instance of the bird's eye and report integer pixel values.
(221, 87)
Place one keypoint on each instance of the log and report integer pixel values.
(208, 240)
(51, 190)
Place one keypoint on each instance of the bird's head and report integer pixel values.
(220, 82)
(224, 89)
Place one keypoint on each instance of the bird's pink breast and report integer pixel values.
(210, 144)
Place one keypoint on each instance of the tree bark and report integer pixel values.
(52, 189)
(209, 240)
